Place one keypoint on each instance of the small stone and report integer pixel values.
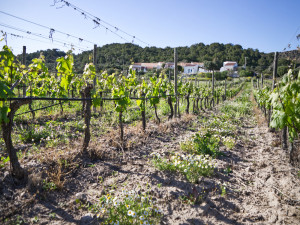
(24, 195)
(81, 196)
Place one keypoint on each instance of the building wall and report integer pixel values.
(190, 69)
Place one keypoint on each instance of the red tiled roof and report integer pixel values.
(190, 64)
(149, 65)
(230, 64)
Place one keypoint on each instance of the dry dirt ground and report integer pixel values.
(261, 186)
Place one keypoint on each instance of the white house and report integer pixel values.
(137, 67)
(229, 65)
(190, 68)
(169, 65)
(151, 66)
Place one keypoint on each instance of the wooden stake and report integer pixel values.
(175, 81)
(275, 69)
(273, 86)
(225, 89)
(213, 87)
(24, 62)
(94, 62)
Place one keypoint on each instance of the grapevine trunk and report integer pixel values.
(17, 170)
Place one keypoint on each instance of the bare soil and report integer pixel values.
(261, 186)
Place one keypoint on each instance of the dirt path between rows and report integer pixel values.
(261, 186)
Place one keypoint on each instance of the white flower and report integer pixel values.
(157, 210)
(146, 213)
(116, 203)
(131, 213)
(116, 223)
(142, 217)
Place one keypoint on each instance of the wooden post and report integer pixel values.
(257, 83)
(87, 117)
(94, 62)
(213, 87)
(273, 86)
(284, 141)
(275, 69)
(262, 80)
(175, 80)
(24, 62)
(225, 89)
(143, 111)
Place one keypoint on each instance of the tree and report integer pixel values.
(282, 70)
(180, 68)
(209, 65)
(245, 73)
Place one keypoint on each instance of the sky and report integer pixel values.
(266, 25)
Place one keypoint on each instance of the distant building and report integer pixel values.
(188, 68)
(229, 66)
(169, 65)
(138, 67)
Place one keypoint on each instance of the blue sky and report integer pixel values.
(266, 25)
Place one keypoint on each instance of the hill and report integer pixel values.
(120, 56)
(293, 55)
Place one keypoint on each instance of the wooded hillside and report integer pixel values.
(120, 56)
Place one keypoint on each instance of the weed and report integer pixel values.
(127, 207)
(35, 219)
(159, 185)
(223, 190)
(190, 199)
(229, 142)
(34, 134)
(227, 170)
(204, 144)
(192, 166)
(52, 215)
(3, 161)
(19, 220)
(49, 186)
